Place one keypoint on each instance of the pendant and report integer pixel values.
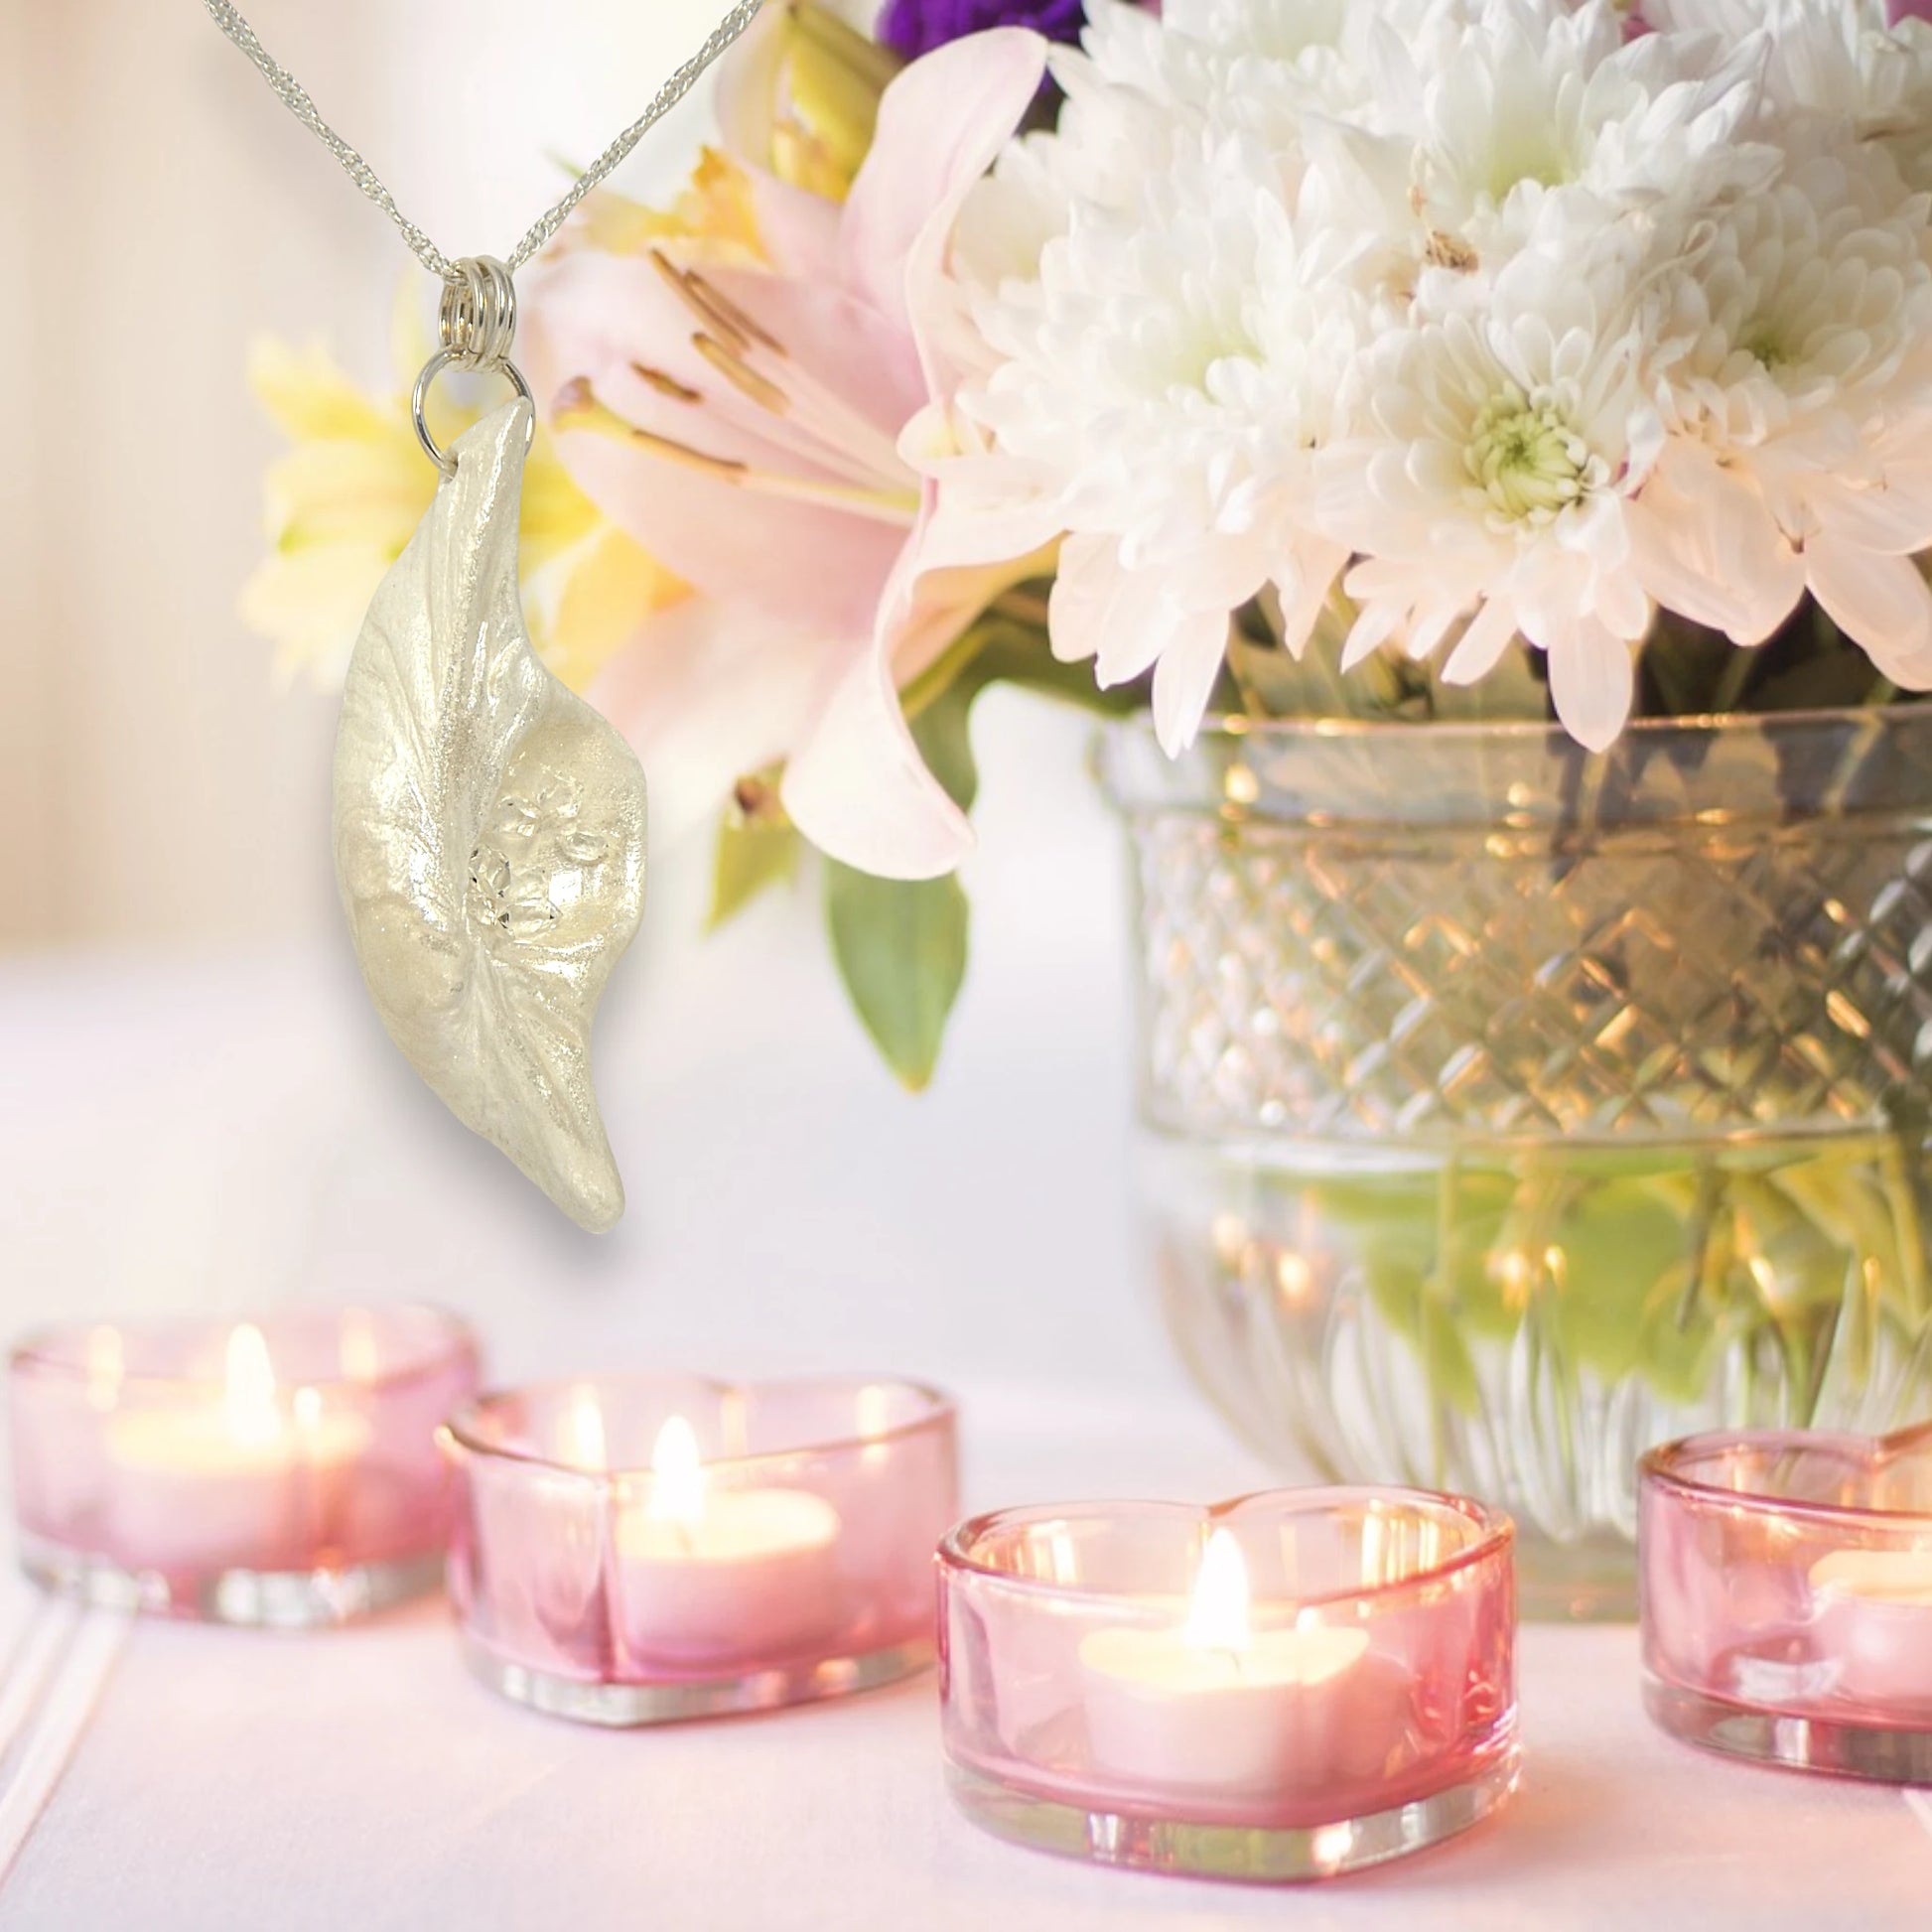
(489, 832)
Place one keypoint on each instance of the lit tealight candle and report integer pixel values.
(1872, 1617)
(1212, 1706)
(241, 1481)
(708, 1575)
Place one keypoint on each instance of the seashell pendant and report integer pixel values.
(488, 834)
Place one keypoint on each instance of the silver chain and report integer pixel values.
(295, 97)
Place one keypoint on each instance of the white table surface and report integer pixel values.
(219, 1132)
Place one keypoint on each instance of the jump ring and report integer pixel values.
(445, 358)
(476, 319)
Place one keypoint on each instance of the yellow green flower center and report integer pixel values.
(1531, 464)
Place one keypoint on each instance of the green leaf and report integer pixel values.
(750, 854)
(1006, 644)
(901, 943)
(901, 948)
(1011, 653)
(944, 738)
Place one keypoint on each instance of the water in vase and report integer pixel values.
(1521, 1320)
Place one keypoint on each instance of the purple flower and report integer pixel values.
(915, 27)
(1909, 10)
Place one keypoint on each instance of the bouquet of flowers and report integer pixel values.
(1403, 358)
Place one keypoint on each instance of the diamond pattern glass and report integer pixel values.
(1508, 1109)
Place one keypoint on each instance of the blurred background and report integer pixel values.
(200, 1106)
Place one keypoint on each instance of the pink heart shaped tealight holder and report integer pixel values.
(1787, 1597)
(1282, 1687)
(648, 1548)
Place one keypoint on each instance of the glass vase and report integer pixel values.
(1507, 1108)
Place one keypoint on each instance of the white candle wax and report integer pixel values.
(238, 1482)
(1873, 1616)
(753, 1578)
(729, 1577)
(1211, 1707)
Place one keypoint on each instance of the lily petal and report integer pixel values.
(707, 693)
(857, 787)
(942, 123)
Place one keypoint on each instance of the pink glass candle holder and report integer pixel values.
(281, 1471)
(1285, 1686)
(644, 1549)
(1787, 1599)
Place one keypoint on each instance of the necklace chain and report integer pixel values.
(295, 97)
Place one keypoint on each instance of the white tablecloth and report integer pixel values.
(223, 1132)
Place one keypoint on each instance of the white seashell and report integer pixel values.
(489, 836)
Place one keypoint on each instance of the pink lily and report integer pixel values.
(742, 422)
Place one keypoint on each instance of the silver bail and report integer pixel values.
(477, 322)
(478, 317)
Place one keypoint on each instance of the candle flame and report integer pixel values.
(677, 1475)
(249, 1396)
(580, 1435)
(1217, 1614)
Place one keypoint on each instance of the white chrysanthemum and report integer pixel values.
(1476, 137)
(1829, 66)
(1800, 393)
(1528, 314)
(1281, 61)
(1526, 106)
(1168, 371)
(1895, 114)
(1489, 478)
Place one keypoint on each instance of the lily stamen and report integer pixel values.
(665, 385)
(856, 500)
(679, 284)
(741, 376)
(728, 311)
(815, 443)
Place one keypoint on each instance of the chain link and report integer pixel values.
(295, 97)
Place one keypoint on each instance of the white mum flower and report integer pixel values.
(1831, 66)
(1277, 59)
(1800, 397)
(1164, 376)
(1527, 107)
(1279, 71)
(1489, 480)
(1538, 319)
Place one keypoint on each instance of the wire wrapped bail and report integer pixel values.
(477, 322)
(478, 317)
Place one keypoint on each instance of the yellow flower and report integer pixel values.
(344, 499)
(798, 97)
(716, 207)
(801, 95)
